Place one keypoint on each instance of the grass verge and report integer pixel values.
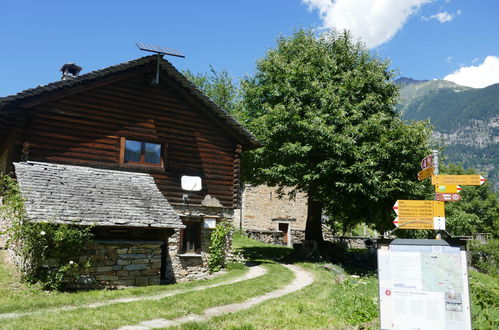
(18, 297)
(116, 315)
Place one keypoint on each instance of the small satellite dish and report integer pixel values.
(191, 183)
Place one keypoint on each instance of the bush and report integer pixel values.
(218, 246)
(485, 257)
(47, 251)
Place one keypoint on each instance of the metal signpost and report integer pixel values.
(423, 284)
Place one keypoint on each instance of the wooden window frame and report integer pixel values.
(163, 155)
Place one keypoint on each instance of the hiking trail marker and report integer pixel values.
(465, 180)
(414, 214)
(426, 173)
(448, 189)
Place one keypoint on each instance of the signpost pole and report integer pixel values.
(436, 172)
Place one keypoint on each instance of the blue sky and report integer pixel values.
(424, 39)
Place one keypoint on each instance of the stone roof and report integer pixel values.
(242, 134)
(89, 196)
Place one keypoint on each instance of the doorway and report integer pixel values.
(284, 227)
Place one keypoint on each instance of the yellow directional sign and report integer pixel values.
(419, 214)
(426, 173)
(448, 189)
(465, 180)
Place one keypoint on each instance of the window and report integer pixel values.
(135, 152)
(191, 237)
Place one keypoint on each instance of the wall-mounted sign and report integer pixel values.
(191, 183)
(209, 223)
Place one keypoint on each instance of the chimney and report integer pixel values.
(70, 70)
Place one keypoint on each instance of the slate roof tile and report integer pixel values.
(89, 196)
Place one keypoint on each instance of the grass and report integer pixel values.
(116, 315)
(18, 298)
(337, 299)
(484, 295)
(324, 304)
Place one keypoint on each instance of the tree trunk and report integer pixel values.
(313, 229)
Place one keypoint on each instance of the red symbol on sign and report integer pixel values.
(388, 292)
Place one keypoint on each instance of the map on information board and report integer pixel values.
(423, 285)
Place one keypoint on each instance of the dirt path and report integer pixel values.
(302, 279)
(253, 272)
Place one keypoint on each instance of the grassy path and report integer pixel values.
(20, 298)
(253, 272)
(302, 279)
(116, 315)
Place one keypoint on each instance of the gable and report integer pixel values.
(60, 89)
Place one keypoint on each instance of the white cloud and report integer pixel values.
(478, 76)
(443, 17)
(449, 59)
(373, 21)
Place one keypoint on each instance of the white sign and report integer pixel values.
(423, 284)
(191, 183)
(209, 223)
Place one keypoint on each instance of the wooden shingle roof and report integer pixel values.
(89, 196)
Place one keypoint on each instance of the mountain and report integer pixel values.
(465, 120)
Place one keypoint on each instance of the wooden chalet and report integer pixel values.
(152, 167)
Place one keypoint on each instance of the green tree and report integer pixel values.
(219, 86)
(324, 110)
(477, 211)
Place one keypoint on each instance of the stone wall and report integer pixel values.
(116, 264)
(262, 209)
(266, 236)
(189, 266)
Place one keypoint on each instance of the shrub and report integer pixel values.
(485, 257)
(47, 251)
(218, 246)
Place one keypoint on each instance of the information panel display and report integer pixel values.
(423, 284)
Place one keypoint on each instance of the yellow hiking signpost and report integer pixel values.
(419, 214)
(431, 214)
(426, 173)
(465, 180)
(447, 189)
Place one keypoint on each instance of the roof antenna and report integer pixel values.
(160, 51)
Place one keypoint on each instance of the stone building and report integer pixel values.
(270, 218)
(150, 163)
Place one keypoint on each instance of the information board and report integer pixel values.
(423, 284)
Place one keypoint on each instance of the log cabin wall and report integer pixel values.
(86, 127)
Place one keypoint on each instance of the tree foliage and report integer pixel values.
(324, 110)
(219, 86)
(477, 211)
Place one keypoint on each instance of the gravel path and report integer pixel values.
(302, 279)
(253, 272)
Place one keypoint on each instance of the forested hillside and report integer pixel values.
(466, 120)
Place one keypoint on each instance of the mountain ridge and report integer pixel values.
(465, 119)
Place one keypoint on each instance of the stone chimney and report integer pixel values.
(70, 70)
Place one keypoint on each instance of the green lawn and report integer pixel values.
(335, 300)
(17, 297)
